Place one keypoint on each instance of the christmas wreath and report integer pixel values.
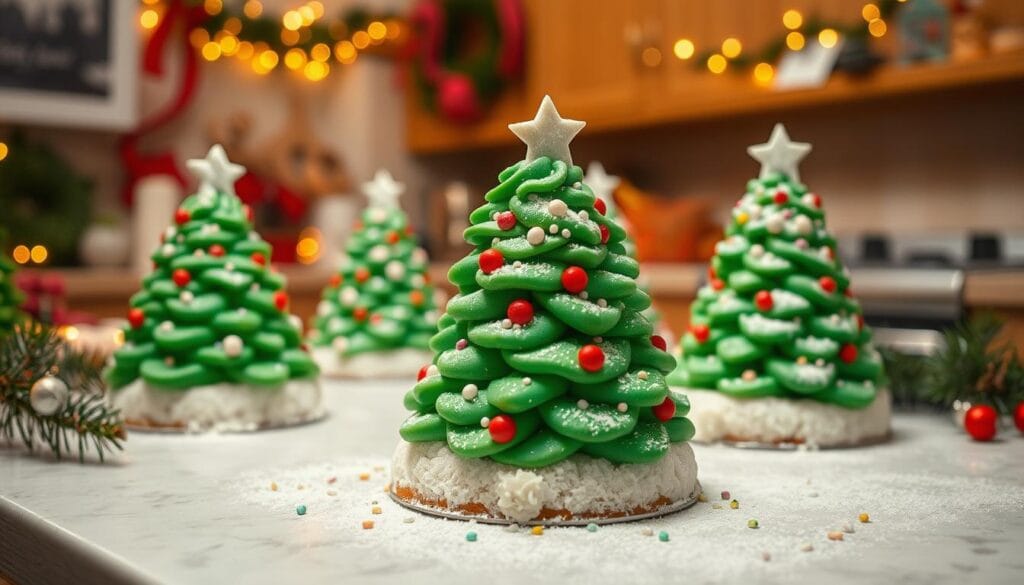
(465, 52)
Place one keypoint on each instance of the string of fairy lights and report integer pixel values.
(302, 40)
(798, 32)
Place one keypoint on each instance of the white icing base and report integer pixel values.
(220, 407)
(395, 363)
(717, 416)
(581, 484)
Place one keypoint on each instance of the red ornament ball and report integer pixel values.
(506, 220)
(520, 311)
(422, 373)
(1018, 417)
(362, 274)
(181, 277)
(816, 199)
(659, 342)
(780, 198)
(249, 215)
(717, 284)
(217, 250)
(281, 300)
(359, 314)
(575, 279)
(605, 234)
(601, 206)
(416, 298)
(980, 422)
(458, 100)
(336, 280)
(700, 332)
(136, 318)
(393, 237)
(827, 283)
(490, 260)
(591, 358)
(848, 353)
(763, 300)
(258, 258)
(502, 428)
(666, 410)
(182, 216)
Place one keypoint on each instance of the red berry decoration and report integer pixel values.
(136, 318)
(506, 220)
(490, 260)
(763, 300)
(182, 216)
(520, 311)
(711, 272)
(659, 342)
(502, 428)
(258, 258)
(359, 314)
(780, 198)
(422, 373)
(816, 199)
(605, 234)
(181, 277)
(591, 358)
(827, 283)
(601, 206)
(717, 284)
(416, 298)
(217, 250)
(249, 215)
(666, 410)
(1018, 417)
(336, 280)
(393, 237)
(700, 332)
(362, 274)
(281, 300)
(980, 422)
(575, 279)
(848, 353)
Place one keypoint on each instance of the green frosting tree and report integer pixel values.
(10, 296)
(212, 310)
(544, 352)
(778, 317)
(380, 298)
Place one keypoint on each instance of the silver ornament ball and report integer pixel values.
(48, 395)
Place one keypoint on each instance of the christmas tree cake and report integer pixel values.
(777, 350)
(376, 316)
(546, 399)
(210, 342)
(10, 296)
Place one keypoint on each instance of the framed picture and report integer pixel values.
(68, 63)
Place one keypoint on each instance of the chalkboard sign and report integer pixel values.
(68, 62)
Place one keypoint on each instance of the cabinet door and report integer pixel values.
(586, 54)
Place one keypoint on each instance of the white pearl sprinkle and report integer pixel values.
(757, 250)
(167, 326)
(775, 223)
(527, 381)
(485, 422)
(749, 375)
(506, 323)
(517, 264)
(167, 250)
(582, 404)
(584, 295)
(819, 362)
(584, 216)
(187, 297)
(495, 241)
(169, 360)
(230, 266)
(803, 225)
(599, 339)
(198, 252)
(557, 207)
(535, 236)
(642, 374)
(233, 346)
(553, 228)
(469, 392)
(566, 233)
(602, 303)
(622, 407)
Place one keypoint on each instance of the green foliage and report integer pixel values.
(33, 351)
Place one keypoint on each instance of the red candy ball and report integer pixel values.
(359, 314)
(393, 237)
(605, 234)
(666, 410)
(281, 300)
(601, 206)
(700, 332)
(182, 216)
(416, 298)
(217, 250)
(502, 428)
(763, 300)
(1018, 416)
(848, 353)
(591, 358)
(827, 283)
(136, 318)
(717, 283)
(659, 342)
(506, 220)
(520, 311)
(336, 280)
(422, 373)
(980, 422)
(575, 279)
(780, 198)
(259, 258)
(249, 215)
(490, 260)
(181, 277)
(362, 274)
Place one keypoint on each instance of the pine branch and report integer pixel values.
(32, 352)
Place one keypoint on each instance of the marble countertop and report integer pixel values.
(201, 509)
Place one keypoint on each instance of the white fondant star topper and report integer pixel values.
(215, 172)
(602, 184)
(547, 134)
(780, 154)
(383, 191)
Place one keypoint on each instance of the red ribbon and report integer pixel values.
(136, 164)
